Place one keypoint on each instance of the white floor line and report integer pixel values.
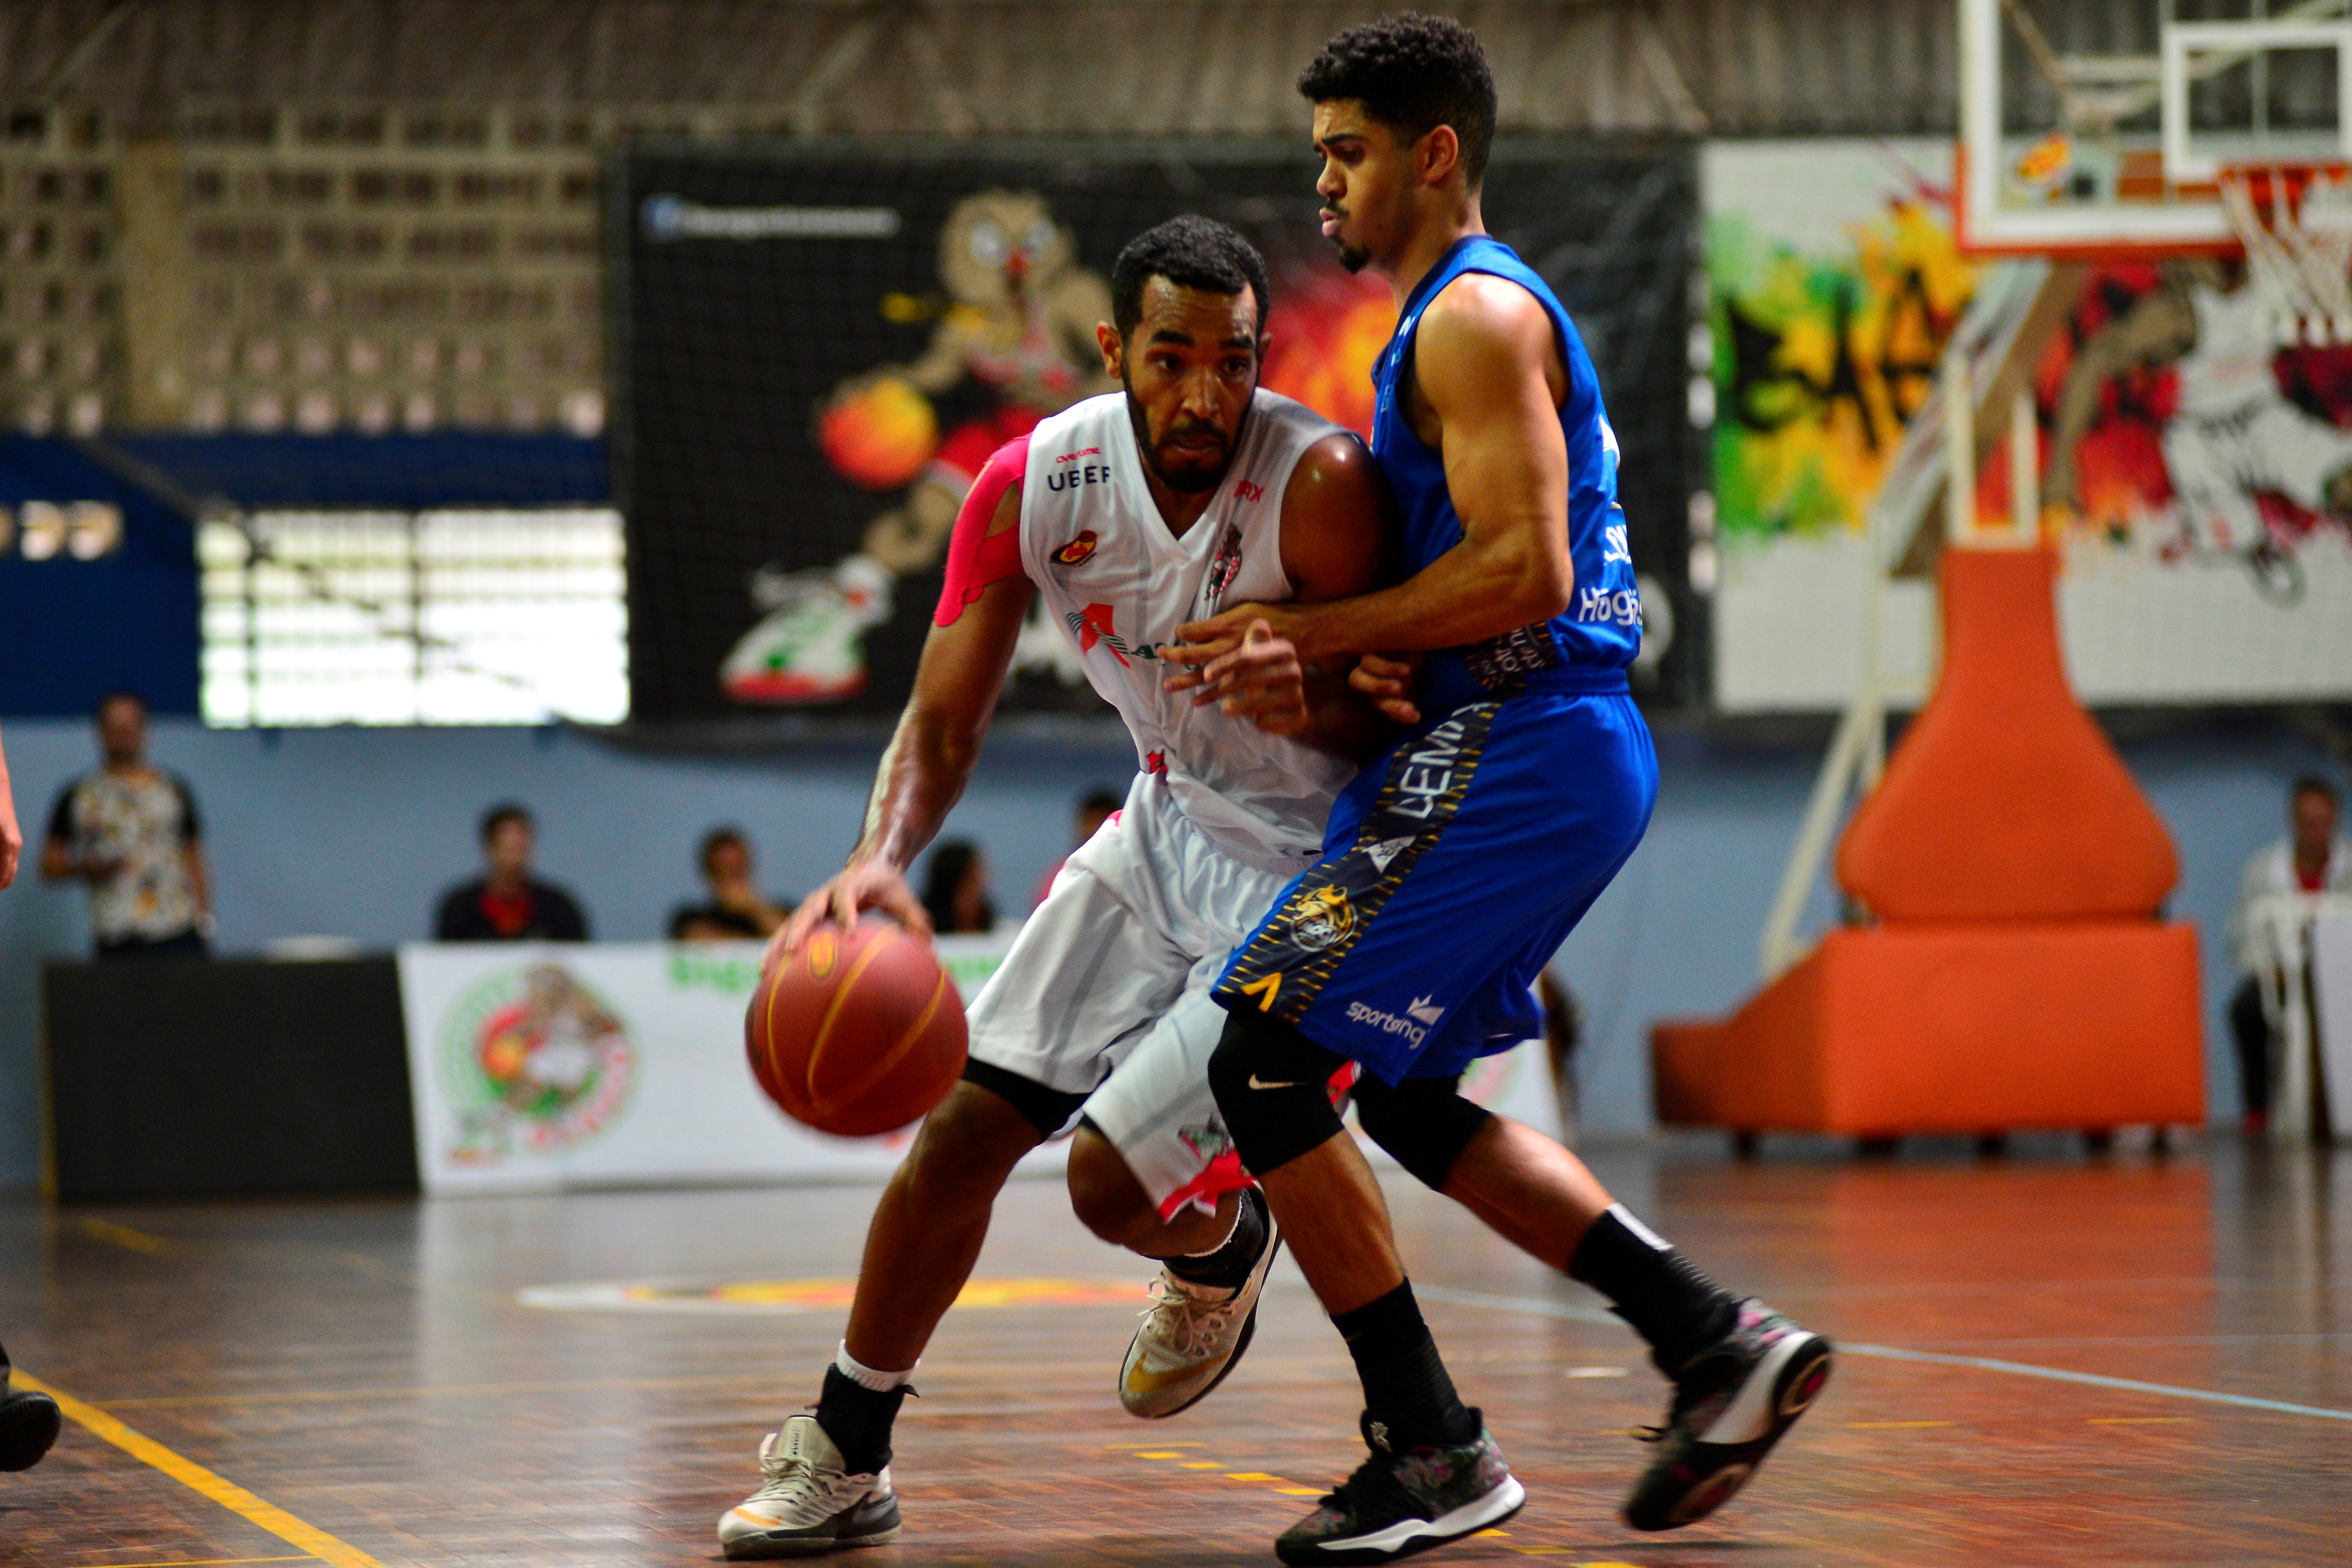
(1538, 1307)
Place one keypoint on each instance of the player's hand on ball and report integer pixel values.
(862, 885)
(1390, 683)
(1258, 676)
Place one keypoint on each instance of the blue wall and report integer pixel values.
(354, 832)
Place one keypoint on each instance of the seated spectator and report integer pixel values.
(2313, 858)
(131, 831)
(737, 910)
(955, 889)
(1094, 808)
(507, 905)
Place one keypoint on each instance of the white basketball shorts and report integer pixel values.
(1106, 991)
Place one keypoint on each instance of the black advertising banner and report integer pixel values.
(817, 349)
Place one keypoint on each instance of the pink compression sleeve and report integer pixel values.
(975, 557)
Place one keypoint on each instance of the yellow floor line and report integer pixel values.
(441, 1391)
(310, 1538)
(121, 1236)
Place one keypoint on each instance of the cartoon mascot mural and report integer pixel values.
(1018, 323)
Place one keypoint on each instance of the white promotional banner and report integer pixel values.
(544, 1066)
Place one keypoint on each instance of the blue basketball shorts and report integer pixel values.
(1453, 869)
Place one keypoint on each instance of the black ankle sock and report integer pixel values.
(1650, 1285)
(1230, 1263)
(1406, 1389)
(858, 1420)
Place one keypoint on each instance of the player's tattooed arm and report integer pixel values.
(931, 755)
(1487, 385)
(1338, 528)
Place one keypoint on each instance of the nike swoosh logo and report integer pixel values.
(1256, 1082)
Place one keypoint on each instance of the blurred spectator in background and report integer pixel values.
(737, 910)
(1094, 808)
(131, 831)
(507, 905)
(1563, 1031)
(955, 889)
(2312, 858)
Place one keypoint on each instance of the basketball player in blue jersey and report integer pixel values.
(1453, 866)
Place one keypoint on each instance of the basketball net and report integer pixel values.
(2295, 222)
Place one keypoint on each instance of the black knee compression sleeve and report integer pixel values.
(1272, 1088)
(1423, 1121)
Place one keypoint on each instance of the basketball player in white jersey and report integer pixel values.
(2233, 432)
(1129, 514)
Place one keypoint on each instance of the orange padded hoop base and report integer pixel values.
(2018, 978)
(1955, 1029)
(2004, 800)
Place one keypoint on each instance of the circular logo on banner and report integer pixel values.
(533, 1062)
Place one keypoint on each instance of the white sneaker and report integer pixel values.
(809, 646)
(1191, 1336)
(810, 1503)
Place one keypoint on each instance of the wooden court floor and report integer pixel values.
(2045, 1360)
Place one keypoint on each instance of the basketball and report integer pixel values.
(880, 437)
(857, 1033)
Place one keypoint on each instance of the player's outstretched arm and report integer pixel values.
(932, 752)
(1485, 361)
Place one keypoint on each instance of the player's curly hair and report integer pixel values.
(1192, 252)
(1413, 73)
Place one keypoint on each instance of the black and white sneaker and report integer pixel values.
(1401, 1503)
(30, 1424)
(1732, 1401)
(809, 1503)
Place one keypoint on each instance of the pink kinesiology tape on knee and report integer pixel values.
(975, 557)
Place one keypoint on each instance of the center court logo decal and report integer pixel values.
(532, 1062)
(789, 1296)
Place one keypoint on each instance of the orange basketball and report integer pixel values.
(880, 437)
(857, 1033)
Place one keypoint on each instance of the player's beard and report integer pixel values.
(1189, 483)
(1354, 258)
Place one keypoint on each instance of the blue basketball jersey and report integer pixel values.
(1602, 629)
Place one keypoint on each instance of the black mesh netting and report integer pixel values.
(816, 347)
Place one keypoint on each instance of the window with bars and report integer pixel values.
(458, 616)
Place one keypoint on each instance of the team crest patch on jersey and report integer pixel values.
(1320, 916)
(1207, 1140)
(1223, 569)
(1076, 549)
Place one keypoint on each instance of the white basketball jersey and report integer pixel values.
(2230, 365)
(1119, 583)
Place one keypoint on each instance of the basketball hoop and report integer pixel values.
(2295, 222)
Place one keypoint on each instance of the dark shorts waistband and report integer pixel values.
(1452, 689)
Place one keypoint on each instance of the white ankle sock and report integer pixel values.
(867, 1377)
